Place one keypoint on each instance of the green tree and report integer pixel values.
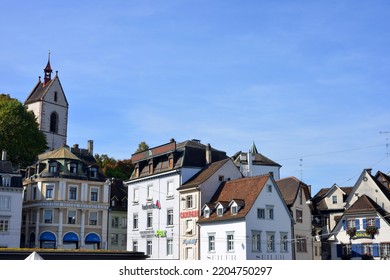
(112, 168)
(142, 147)
(19, 132)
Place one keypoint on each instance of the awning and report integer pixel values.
(92, 238)
(71, 237)
(47, 236)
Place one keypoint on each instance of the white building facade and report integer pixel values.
(247, 219)
(153, 198)
(11, 199)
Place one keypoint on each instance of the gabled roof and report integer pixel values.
(203, 175)
(40, 90)
(244, 189)
(289, 187)
(258, 158)
(6, 167)
(319, 201)
(364, 204)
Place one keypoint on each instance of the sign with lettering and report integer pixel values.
(361, 234)
(189, 214)
(147, 233)
(161, 233)
(151, 206)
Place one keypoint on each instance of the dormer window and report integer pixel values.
(219, 211)
(234, 210)
(206, 212)
(73, 168)
(93, 172)
(53, 167)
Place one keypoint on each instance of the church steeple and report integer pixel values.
(47, 72)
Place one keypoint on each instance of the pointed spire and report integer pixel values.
(47, 71)
(254, 149)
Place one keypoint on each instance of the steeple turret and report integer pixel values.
(47, 72)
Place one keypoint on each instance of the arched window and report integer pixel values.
(54, 122)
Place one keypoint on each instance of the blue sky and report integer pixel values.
(307, 81)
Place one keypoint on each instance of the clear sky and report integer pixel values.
(307, 81)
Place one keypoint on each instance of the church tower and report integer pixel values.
(48, 102)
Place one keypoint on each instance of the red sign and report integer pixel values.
(189, 214)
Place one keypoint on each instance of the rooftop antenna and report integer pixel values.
(387, 141)
(301, 168)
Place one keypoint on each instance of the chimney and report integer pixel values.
(90, 147)
(4, 155)
(208, 154)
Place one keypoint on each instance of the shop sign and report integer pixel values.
(161, 233)
(151, 206)
(189, 214)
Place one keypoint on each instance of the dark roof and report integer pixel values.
(289, 188)
(364, 204)
(119, 192)
(189, 153)
(40, 90)
(245, 190)
(258, 159)
(6, 167)
(203, 175)
(319, 201)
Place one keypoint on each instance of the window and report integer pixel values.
(53, 167)
(261, 213)
(123, 222)
(5, 203)
(170, 217)
(189, 226)
(219, 211)
(206, 212)
(169, 246)
(270, 212)
(6, 181)
(256, 241)
(48, 216)
(150, 192)
(234, 210)
(72, 193)
(34, 193)
(71, 217)
(135, 246)
(385, 250)
(73, 168)
(298, 216)
(211, 243)
(115, 222)
(283, 242)
(149, 220)
(221, 178)
(189, 202)
(33, 217)
(55, 96)
(269, 188)
(93, 218)
(149, 247)
(54, 122)
(49, 192)
(114, 238)
(94, 194)
(135, 221)
(230, 242)
(4, 225)
(334, 199)
(270, 242)
(367, 249)
(135, 196)
(170, 190)
(301, 243)
(371, 222)
(93, 172)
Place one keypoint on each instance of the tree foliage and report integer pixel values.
(112, 168)
(19, 132)
(142, 147)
